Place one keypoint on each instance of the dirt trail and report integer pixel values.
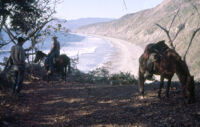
(59, 104)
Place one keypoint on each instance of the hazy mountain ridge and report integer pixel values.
(140, 28)
(74, 24)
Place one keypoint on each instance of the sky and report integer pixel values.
(75, 9)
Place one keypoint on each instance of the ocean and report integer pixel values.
(92, 52)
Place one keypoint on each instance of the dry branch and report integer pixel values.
(125, 4)
(12, 37)
(180, 28)
(195, 31)
(37, 29)
(1, 45)
(190, 43)
(173, 19)
(167, 32)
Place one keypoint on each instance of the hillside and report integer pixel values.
(140, 28)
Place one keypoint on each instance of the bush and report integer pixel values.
(6, 80)
(102, 76)
(122, 79)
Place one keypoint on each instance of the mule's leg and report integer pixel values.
(69, 68)
(161, 85)
(184, 92)
(62, 71)
(141, 83)
(65, 73)
(48, 77)
(168, 87)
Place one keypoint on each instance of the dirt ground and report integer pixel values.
(62, 104)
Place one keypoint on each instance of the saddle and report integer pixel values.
(153, 53)
(158, 48)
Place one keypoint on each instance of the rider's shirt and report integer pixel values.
(55, 47)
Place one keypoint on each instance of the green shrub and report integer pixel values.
(122, 79)
(102, 76)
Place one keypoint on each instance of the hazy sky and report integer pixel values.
(74, 9)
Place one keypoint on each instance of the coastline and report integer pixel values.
(124, 58)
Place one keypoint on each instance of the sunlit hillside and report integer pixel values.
(140, 28)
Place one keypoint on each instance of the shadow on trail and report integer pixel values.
(129, 110)
(71, 104)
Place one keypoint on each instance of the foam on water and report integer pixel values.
(92, 51)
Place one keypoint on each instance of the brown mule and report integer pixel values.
(62, 64)
(169, 63)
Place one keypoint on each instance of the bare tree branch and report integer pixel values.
(33, 43)
(12, 37)
(1, 45)
(195, 7)
(28, 54)
(173, 19)
(167, 32)
(37, 29)
(193, 35)
(195, 31)
(180, 28)
(125, 4)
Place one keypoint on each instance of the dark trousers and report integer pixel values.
(19, 77)
(51, 60)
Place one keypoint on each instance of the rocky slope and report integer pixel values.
(140, 28)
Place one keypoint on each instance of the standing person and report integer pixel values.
(18, 63)
(54, 53)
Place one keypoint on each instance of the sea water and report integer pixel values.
(91, 51)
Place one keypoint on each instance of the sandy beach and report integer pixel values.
(124, 58)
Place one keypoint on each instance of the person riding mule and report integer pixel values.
(62, 64)
(53, 54)
(152, 55)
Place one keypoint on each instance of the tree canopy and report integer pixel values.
(25, 17)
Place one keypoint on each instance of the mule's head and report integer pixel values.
(38, 56)
(190, 85)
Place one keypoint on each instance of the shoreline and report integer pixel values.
(124, 58)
